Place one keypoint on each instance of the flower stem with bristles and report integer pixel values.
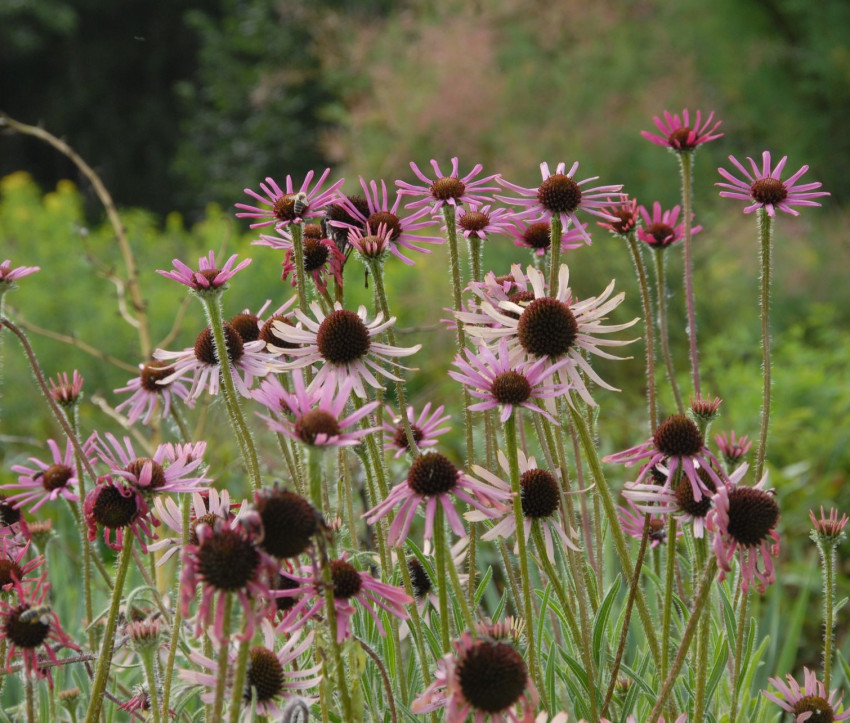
(300, 275)
(667, 603)
(617, 535)
(827, 552)
(765, 224)
(231, 398)
(148, 663)
(221, 678)
(440, 555)
(555, 232)
(418, 636)
(646, 300)
(700, 601)
(686, 165)
(104, 660)
(237, 692)
(743, 609)
(466, 610)
(513, 463)
(661, 284)
(701, 662)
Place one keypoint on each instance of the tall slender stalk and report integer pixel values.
(441, 555)
(661, 284)
(827, 551)
(686, 161)
(237, 693)
(646, 301)
(765, 224)
(555, 232)
(739, 651)
(223, 658)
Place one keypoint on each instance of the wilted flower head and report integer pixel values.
(828, 530)
(679, 135)
(426, 428)
(662, 228)
(151, 391)
(208, 277)
(65, 392)
(626, 213)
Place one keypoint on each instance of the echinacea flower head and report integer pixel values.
(448, 190)
(286, 205)
(272, 676)
(209, 277)
(45, 481)
(481, 680)
(540, 496)
(13, 567)
(149, 392)
(828, 529)
(433, 480)
(679, 135)
(764, 188)
(553, 328)
(808, 703)
(661, 229)
(322, 258)
(633, 522)
(8, 275)
(704, 410)
(506, 386)
(678, 444)
(426, 428)
(64, 391)
(290, 522)
(743, 520)
(349, 585)
(626, 213)
(733, 449)
(248, 361)
(117, 507)
(224, 559)
(316, 418)
(379, 210)
(344, 344)
(482, 221)
(371, 245)
(28, 626)
(560, 195)
(537, 236)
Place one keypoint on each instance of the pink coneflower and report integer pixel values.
(766, 190)
(677, 133)
(482, 680)
(809, 703)
(248, 360)
(208, 277)
(13, 569)
(743, 521)
(494, 289)
(426, 428)
(249, 325)
(633, 523)
(502, 384)
(30, 625)
(677, 443)
(541, 502)
(482, 221)
(46, 482)
(149, 395)
(554, 327)
(828, 529)
(317, 418)
(64, 391)
(290, 522)
(538, 236)
(349, 584)
(626, 214)
(150, 475)
(266, 676)
(225, 558)
(205, 508)
(561, 195)
(370, 244)
(731, 448)
(322, 258)
(344, 344)
(115, 506)
(450, 190)
(432, 480)
(660, 229)
(289, 206)
(8, 275)
(678, 500)
(378, 211)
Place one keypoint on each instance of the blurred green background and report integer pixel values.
(179, 105)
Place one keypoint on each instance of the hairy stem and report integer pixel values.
(765, 224)
(661, 284)
(686, 161)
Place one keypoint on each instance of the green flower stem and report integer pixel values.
(765, 224)
(314, 468)
(646, 300)
(700, 602)
(104, 661)
(288, 453)
(30, 698)
(440, 556)
(513, 463)
(555, 233)
(231, 398)
(743, 609)
(297, 231)
(686, 161)
(667, 604)
(465, 608)
(237, 692)
(330, 616)
(418, 636)
(610, 510)
(177, 620)
(560, 592)
(475, 246)
(221, 678)
(700, 660)
(377, 270)
(149, 665)
(661, 288)
(828, 557)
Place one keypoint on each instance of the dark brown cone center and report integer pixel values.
(227, 560)
(559, 194)
(685, 495)
(547, 328)
(28, 633)
(56, 477)
(753, 513)
(267, 333)
(539, 493)
(492, 676)
(538, 236)
(392, 222)
(284, 208)
(769, 191)
(265, 674)
(152, 373)
(9, 572)
(315, 422)
(678, 436)
(289, 522)
(312, 230)
(113, 510)
(679, 138)
(342, 337)
(625, 222)
(157, 472)
(432, 474)
(315, 254)
(285, 583)
(447, 187)
(400, 436)
(419, 579)
(510, 388)
(346, 579)
(473, 221)
(820, 709)
(205, 345)
(662, 233)
(247, 326)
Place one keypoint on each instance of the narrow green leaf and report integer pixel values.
(718, 667)
(602, 615)
(482, 586)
